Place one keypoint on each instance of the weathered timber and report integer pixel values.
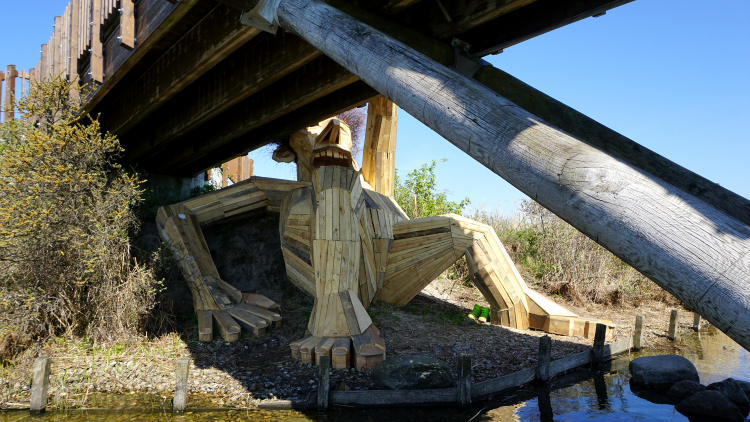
(638, 333)
(182, 369)
(674, 318)
(39, 384)
(566, 118)
(696, 321)
(428, 16)
(324, 382)
(692, 249)
(543, 359)
(212, 39)
(597, 352)
(127, 24)
(252, 67)
(536, 18)
(386, 398)
(156, 18)
(312, 81)
(242, 5)
(332, 104)
(464, 380)
(10, 89)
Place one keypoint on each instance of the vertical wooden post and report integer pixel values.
(182, 368)
(75, 24)
(2, 81)
(696, 321)
(39, 384)
(10, 90)
(379, 151)
(545, 354)
(97, 54)
(673, 317)
(56, 50)
(43, 62)
(127, 24)
(65, 43)
(597, 352)
(464, 380)
(245, 168)
(324, 381)
(638, 335)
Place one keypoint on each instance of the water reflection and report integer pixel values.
(603, 395)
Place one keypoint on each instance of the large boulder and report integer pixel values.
(412, 373)
(661, 372)
(745, 387)
(709, 405)
(685, 389)
(732, 390)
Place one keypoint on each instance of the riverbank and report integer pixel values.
(255, 369)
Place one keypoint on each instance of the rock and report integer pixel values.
(661, 372)
(709, 405)
(730, 389)
(745, 387)
(412, 373)
(685, 389)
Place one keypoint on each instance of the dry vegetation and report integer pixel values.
(558, 259)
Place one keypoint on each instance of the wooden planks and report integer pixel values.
(127, 24)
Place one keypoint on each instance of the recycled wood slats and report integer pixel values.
(180, 225)
(236, 170)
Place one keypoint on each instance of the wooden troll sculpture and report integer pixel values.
(346, 245)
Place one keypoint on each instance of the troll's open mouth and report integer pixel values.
(331, 156)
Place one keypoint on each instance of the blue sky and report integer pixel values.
(672, 75)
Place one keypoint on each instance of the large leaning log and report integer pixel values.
(688, 246)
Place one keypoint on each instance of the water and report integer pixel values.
(581, 396)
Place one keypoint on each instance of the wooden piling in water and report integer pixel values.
(181, 385)
(696, 321)
(597, 352)
(545, 354)
(39, 384)
(464, 380)
(673, 318)
(324, 382)
(638, 335)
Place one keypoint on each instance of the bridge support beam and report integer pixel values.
(688, 246)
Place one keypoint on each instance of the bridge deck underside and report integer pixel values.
(210, 89)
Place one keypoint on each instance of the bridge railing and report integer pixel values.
(13, 84)
(95, 39)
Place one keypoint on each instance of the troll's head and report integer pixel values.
(327, 144)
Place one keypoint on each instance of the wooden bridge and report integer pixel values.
(187, 84)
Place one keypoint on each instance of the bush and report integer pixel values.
(65, 216)
(560, 260)
(418, 195)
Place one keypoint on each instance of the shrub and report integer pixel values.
(418, 195)
(65, 216)
(560, 260)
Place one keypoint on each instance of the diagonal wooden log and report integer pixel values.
(689, 247)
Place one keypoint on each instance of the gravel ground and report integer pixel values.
(255, 369)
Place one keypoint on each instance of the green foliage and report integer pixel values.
(202, 190)
(65, 215)
(418, 195)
